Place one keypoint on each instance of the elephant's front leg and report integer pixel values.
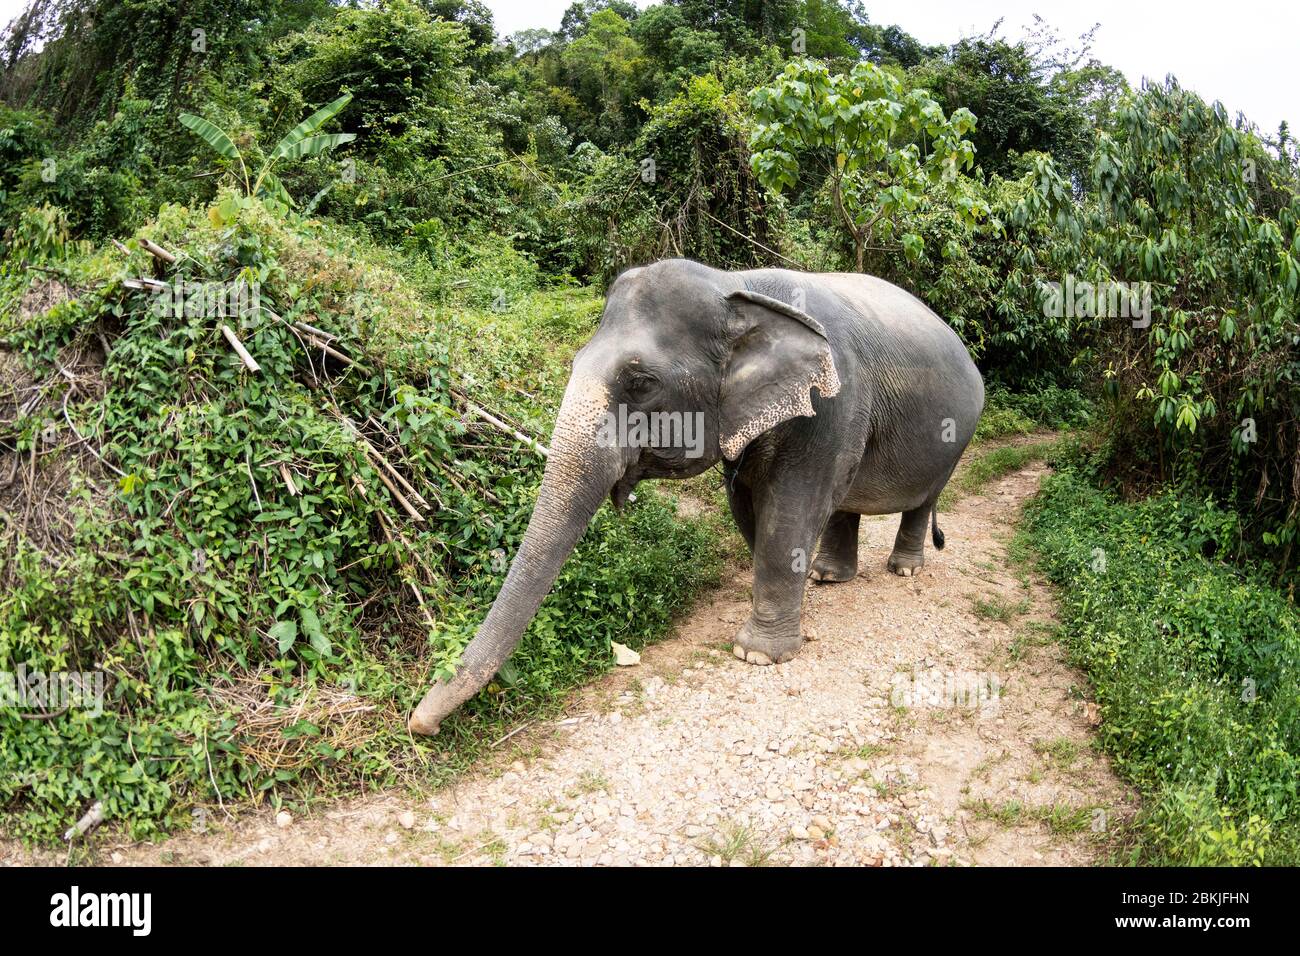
(786, 528)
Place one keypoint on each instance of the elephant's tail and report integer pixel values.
(936, 533)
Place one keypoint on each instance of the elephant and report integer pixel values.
(826, 396)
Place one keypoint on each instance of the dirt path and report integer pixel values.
(875, 746)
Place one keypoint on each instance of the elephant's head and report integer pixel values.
(686, 366)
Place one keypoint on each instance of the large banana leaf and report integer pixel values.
(307, 127)
(210, 134)
(314, 144)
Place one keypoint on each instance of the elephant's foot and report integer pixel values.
(828, 569)
(906, 564)
(761, 648)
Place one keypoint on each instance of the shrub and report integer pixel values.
(220, 546)
(1195, 666)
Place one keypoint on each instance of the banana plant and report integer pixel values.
(302, 141)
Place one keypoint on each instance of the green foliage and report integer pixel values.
(604, 69)
(100, 49)
(235, 581)
(39, 236)
(1205, 394)
(984, 277)
(1020, 109)
(301, 142)
(1195, 666)
(1043, 407)
(429, 134)
(879, 146)
(24, 141)
(683, 189)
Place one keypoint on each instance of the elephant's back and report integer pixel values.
(917, 341)
(876, 300)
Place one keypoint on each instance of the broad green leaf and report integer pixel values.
(307, 127)
(272, 188)
(210, 134)
(284, 633)
(313, 145)
(311, 627)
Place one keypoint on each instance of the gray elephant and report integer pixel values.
(827, 396)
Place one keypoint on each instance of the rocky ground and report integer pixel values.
(928, 720)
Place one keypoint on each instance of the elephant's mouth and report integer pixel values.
(656, 463)
(622, 489)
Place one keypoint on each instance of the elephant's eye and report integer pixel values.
(640, 387)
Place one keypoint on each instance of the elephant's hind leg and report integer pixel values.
(909, 545)
(837, 553)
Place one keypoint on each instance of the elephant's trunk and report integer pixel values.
(579, 473)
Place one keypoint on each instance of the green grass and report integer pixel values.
(735, 843)
(1195, 665)
(998, 608)
(1059, 818)
(989, 465)
(1009, 414)
(1062, 752)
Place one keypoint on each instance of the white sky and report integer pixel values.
(1245, 53)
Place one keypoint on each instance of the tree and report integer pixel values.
(1009, 90)
(606, 68)
(880, 147)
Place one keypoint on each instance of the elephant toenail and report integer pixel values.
(738, 651)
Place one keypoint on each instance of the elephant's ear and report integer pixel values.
(778, 354)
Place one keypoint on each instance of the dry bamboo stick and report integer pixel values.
(433, 578)
(448, 472)
(157, 251)
(378, 460)
(381, 460)
(242, 352)
(156, 284)
(288, 480)
(312, 330)
(329, 350)
(415, 588)
(92, 818)
(401, 498)
(493, 420)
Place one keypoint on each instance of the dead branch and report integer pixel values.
(157, 251)
(379, 459)
(92, 817)
(288, 480)
(498, 423)
(82, 438)
(400, 498)
(249, 362)
(312, 330)
(329, 350)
